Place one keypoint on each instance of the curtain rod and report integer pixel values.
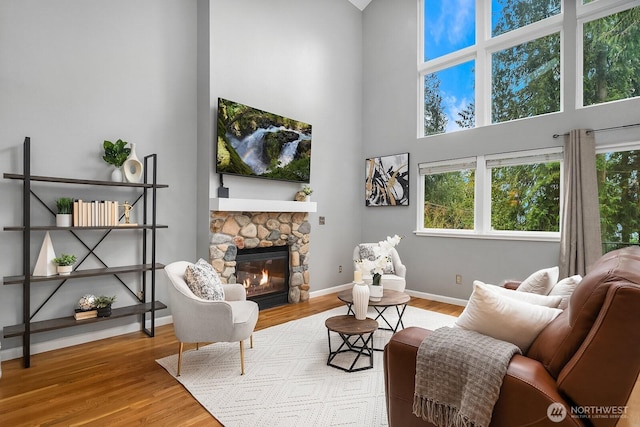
(555, 135)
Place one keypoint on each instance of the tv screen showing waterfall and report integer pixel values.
(257, 143)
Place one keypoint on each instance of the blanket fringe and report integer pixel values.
(438, 413)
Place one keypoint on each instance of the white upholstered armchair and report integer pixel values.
(198, 320)
(390, 280)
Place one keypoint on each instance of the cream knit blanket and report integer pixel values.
(458, 377)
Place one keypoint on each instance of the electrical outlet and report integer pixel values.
(339, 269)
(458, 279)
(321, 220)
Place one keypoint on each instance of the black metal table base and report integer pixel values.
(380, 310)
(361, 346)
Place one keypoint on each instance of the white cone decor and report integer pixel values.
(360, 294)
(45, 265)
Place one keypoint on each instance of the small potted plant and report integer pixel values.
(115, 154)
(63, 217)
(307, 192)
(304, 195)
(103, 305)
(65, 264)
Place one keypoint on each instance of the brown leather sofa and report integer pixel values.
(588, 358)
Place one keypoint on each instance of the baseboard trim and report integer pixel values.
(423, 295)
(58, 343)
(438, 298)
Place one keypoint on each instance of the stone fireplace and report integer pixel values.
(233, 231)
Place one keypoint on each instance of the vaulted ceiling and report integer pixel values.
(360, 4)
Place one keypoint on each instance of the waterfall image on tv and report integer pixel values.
(257, 143)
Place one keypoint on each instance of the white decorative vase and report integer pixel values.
(132, 166)
(375, 292)
(63, 220)
(360, 293)
(116, 175)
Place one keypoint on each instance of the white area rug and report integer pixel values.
(287, 381)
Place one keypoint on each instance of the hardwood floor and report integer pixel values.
(116, 381)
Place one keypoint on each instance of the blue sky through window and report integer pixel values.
(457, 90)
(450, 25)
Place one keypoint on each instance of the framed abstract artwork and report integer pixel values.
(387, 180)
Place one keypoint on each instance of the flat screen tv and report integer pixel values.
(260, 144)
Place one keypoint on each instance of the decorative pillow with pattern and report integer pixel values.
(367, 252)
(204, 281)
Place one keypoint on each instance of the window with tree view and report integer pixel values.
(526, 197)
(449, 200)
(619, 196)
(519, 63)
(511, 193)
(611, 57)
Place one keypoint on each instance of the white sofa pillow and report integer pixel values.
(544, 300)
(564, 288)
(541, 282)
(503, 318)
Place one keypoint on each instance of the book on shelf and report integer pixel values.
(88, 314)
(95, 213)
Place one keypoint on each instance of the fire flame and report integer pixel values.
(264, 279)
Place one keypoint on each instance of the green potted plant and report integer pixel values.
(115, 154)
(65, 207)
(65, 264)
(103, 305)
(304, 195)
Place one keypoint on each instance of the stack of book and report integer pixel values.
(95, 213)
(87, 314)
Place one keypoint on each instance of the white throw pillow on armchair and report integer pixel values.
(504, 318)
(545, 300)
(541, 282)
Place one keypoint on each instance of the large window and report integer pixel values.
(490, 62)
(525, 194)
(509, 195)
(611, 57)
(619, 196)
(449, 195)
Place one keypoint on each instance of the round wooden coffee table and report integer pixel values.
(347, 327)
(390, 298)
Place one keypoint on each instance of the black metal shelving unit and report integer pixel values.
(146, 304)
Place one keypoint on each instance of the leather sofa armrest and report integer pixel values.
(399, 361)
(526, 393)
(511, 284)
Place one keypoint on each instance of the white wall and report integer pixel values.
(300, 59)
(72, 74)
(390, 100)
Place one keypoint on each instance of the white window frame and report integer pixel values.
(443, 167)
(587, 13)
(482, 194)
(482, 52)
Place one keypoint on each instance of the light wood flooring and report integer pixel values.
(116, 381)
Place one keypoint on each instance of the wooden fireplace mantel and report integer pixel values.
(257, 205)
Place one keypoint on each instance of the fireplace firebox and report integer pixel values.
(264, 273)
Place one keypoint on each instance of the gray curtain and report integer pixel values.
(580, 241)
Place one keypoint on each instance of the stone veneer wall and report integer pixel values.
(231, 231)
